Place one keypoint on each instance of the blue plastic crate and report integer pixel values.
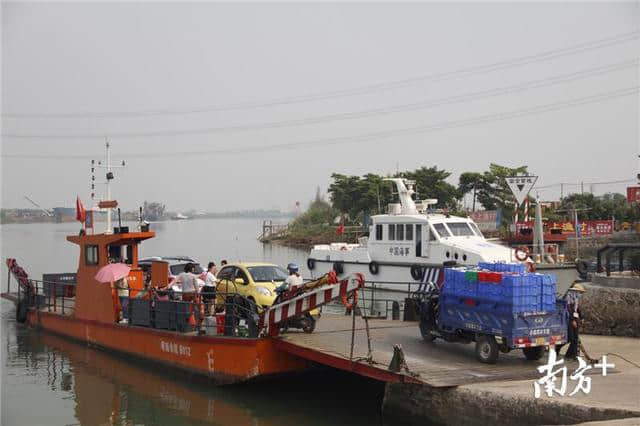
(517, 268)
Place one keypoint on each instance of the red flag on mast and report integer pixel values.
(81, 214)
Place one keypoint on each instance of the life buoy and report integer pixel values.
(417, 272)
(311, 264)
(551, 249)
(345, 299)
(374, 268)
(522, 253)
(338, 267)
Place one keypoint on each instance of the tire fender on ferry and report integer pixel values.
(417, 272)
(311, 264)
(21, 311)
(374, 267)
(338, 267)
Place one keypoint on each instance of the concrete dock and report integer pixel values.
(443, 377)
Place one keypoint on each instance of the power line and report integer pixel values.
(612, 182)
(371, 136)
(534, 84)
(462, 72)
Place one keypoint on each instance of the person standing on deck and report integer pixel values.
(574, 319)
(122, 288)
(187, 283)
(208, 292)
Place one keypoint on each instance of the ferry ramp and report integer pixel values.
(437, 364)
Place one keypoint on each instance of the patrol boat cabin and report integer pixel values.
(409, 243)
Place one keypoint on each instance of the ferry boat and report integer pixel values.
(82, 308)
(409, 244)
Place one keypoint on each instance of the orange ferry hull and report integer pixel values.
(225, 360)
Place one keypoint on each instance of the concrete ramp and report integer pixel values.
(437, 364)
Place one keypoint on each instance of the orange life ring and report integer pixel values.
(522, 250)
(344, 297)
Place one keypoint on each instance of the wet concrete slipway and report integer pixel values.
(51, 380)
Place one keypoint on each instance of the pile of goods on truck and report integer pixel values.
(504, 287)
(499, 306)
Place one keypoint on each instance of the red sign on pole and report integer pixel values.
(633, 193)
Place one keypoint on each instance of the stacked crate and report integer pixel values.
(503, 287)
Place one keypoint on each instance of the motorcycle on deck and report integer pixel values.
(305, 322)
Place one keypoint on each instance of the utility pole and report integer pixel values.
(582, 188)
(474, 196)
(561, 191)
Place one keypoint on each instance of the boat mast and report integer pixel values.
(109, 178)
(404, 194)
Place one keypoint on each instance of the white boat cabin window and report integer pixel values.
(460, 229)
(442, 230)
(476, 229)
(399, 232)
(378, 232)
(432, 234)
(91, 255)
(408, 232)
(392, 232)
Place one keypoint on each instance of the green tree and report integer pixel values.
(492, 191)
(608, 206)
(353, 195)
(431, 183)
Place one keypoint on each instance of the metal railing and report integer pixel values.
(147, 308)
(55, 296)
(228, 314)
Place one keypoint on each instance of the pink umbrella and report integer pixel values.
(112, 272)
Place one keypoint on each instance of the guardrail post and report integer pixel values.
(395, 310)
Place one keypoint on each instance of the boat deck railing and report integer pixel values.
(228, 314)
(225, 314)
(52, 296)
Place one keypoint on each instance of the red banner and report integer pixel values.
(587, 227)
(633, 193)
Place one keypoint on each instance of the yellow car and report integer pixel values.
(255, 281)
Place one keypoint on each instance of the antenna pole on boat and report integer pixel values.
(109, 177)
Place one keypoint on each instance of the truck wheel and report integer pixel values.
(487, 349)
(425, 331)
(533, 354)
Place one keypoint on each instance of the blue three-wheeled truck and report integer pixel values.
(498, 306)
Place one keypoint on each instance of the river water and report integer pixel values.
(47, 380)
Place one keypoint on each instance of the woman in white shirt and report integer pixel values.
(209, 290)
(187, 282)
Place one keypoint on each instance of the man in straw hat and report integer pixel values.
(574, 318)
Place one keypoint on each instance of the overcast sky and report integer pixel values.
(233, 82)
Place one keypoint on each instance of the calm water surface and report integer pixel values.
(47, 380)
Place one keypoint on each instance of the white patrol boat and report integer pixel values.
(409, 244)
